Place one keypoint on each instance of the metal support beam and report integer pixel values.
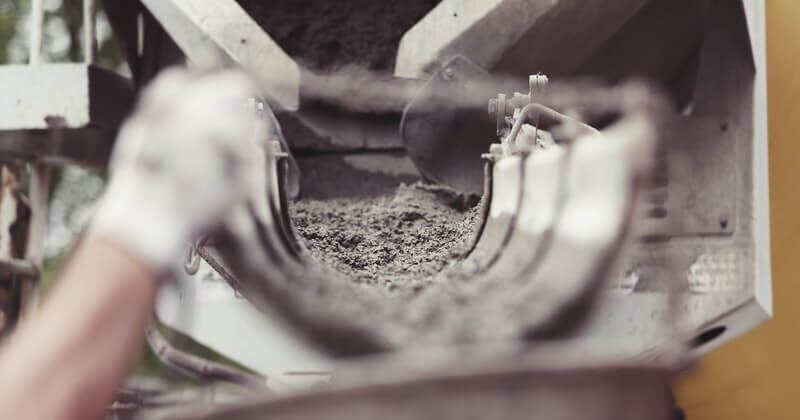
(61, 112)
(485, 31)
(226, 34)
(62, 95)
(36, 23)
(89, 31)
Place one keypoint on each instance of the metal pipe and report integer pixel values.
(89, 29)
(34, 253)
(37, 22)
(196, 366)
(23, 268)
(39, 194)
(540, 109)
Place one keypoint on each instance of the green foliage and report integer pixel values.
(11, 11)
(70, 19)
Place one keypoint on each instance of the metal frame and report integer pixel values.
(51, 113)
(203, 36)
(750, 303)
(225, 34)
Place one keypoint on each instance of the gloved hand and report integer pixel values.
(181, 162)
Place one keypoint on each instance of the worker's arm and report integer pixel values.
(180, 163)
(67, 360)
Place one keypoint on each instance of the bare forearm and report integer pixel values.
(67, 360)
(74, 353)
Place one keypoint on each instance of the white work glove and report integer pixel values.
(180, 164)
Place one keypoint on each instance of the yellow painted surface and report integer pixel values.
(757, 376)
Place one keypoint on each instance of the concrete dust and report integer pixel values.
(400, 239)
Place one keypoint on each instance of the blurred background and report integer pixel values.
(75, 189)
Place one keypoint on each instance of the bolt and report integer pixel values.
(277, 151)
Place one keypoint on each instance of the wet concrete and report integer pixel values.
(403, 238)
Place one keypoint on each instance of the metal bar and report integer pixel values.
(39, 190)
(197, 366)
(525, 115)
(89, 31)
(18, 267)
(9, 212)
(139, 34)
(37, 19)
(38, 196)
(224, 33)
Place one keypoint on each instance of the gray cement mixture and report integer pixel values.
(401, 239)
(391, 270)
(325, 35)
